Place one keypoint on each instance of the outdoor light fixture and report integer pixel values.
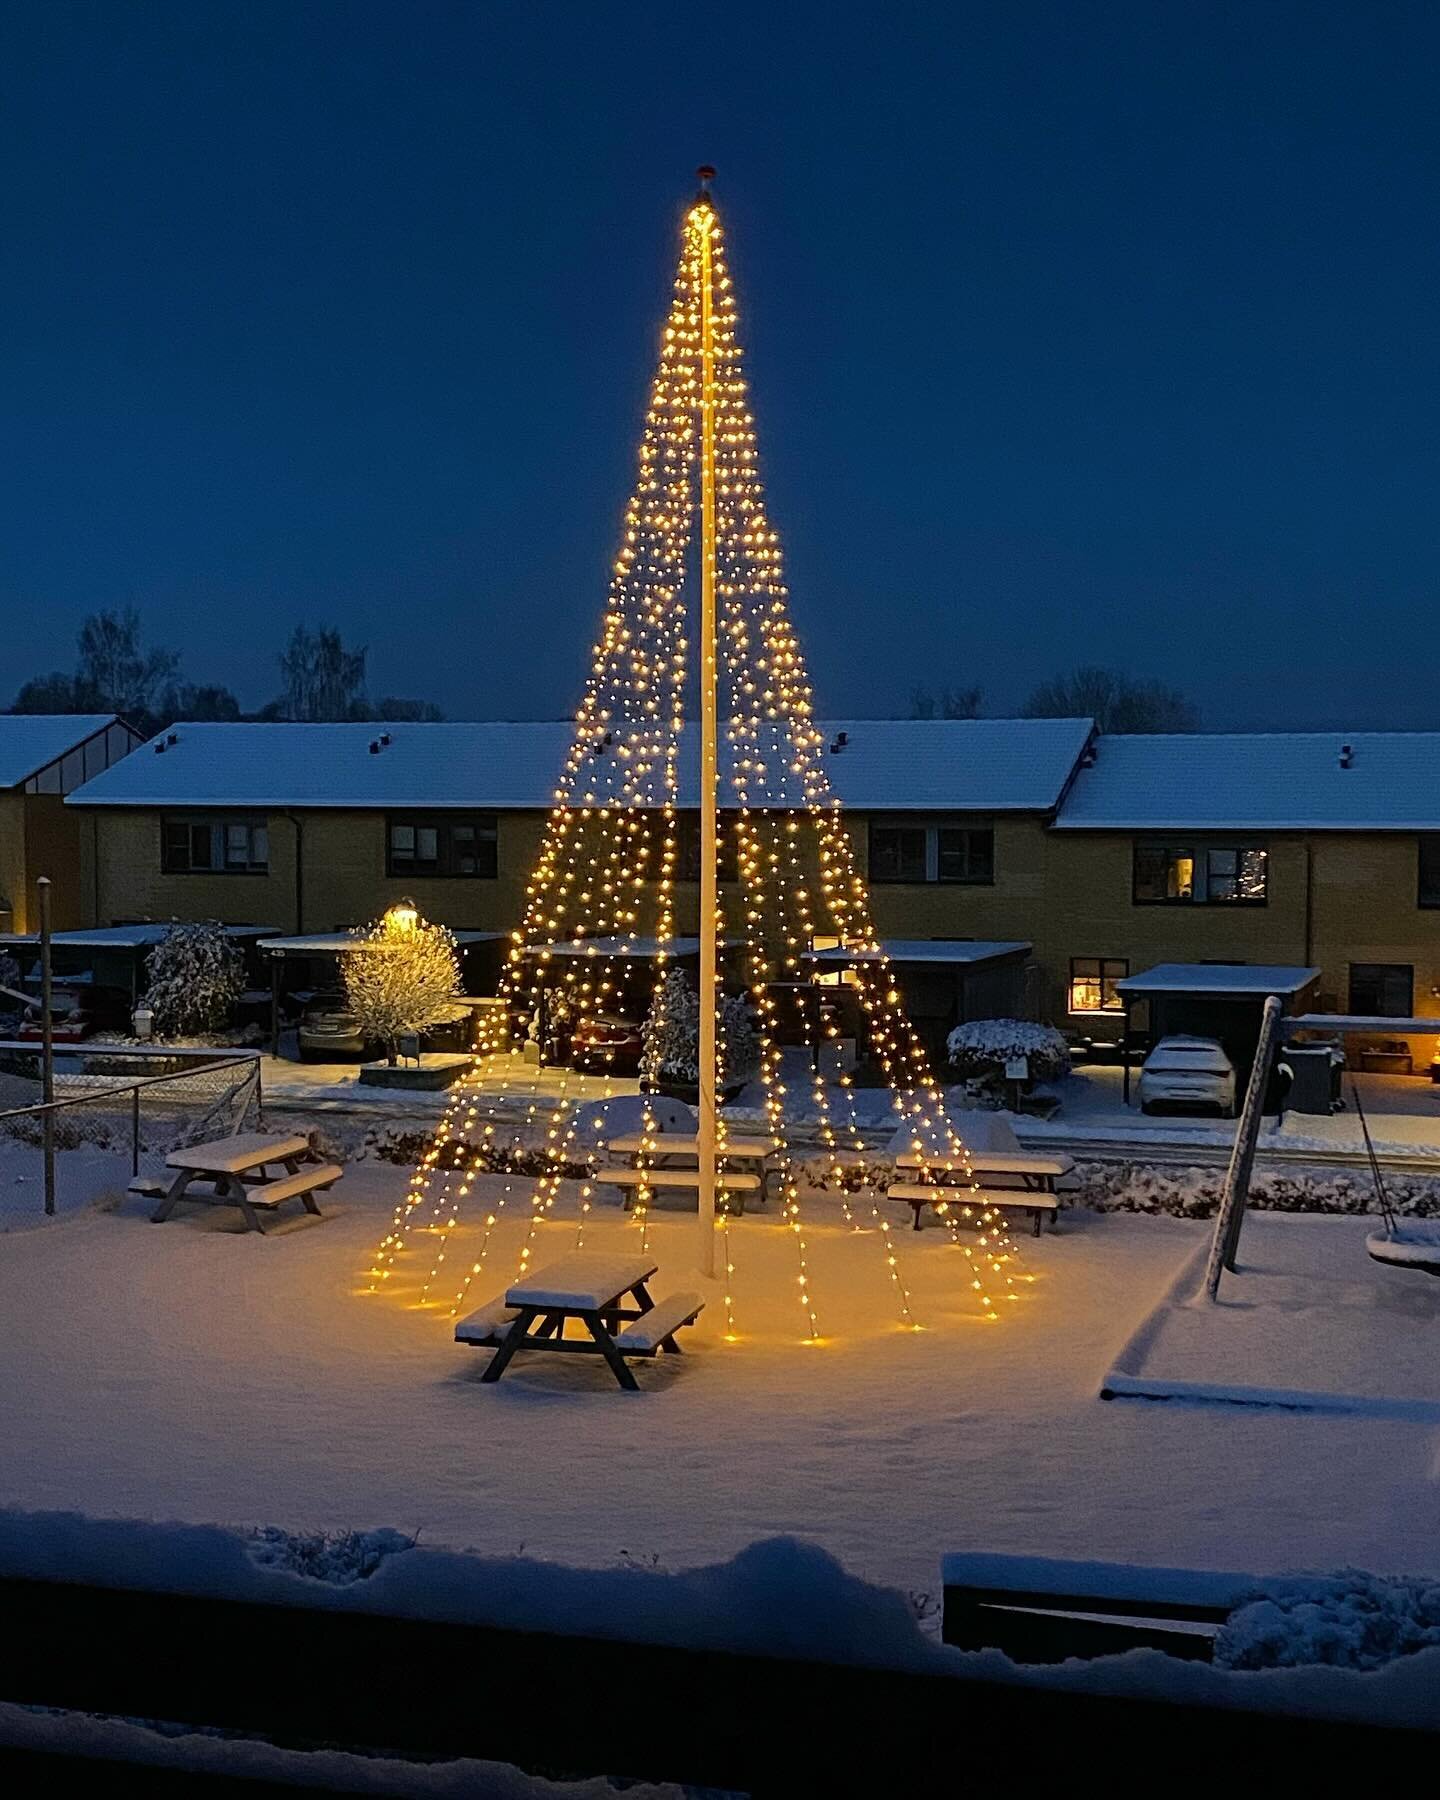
(404, 915)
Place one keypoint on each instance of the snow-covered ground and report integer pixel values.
(1403, 1112)
(1300, 1282)
(193, 1371)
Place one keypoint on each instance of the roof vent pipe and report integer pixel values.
(1347, 756)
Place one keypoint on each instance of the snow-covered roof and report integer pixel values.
(1217, 978)
(334, 943)
(30, 742)
(981, 765)
(924, 950)
(1259, 781)
(119, 937)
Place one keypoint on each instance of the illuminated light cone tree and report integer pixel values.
(605, 896)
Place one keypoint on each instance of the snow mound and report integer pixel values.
(1349, 1620)
(597, 1121)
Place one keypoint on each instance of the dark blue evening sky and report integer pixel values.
(1080, 332)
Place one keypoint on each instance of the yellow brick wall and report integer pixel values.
(1068, 893)
(13, 904)
(1090, 911)
(344, 876)
(1013, 907)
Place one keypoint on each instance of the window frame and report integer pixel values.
(1101, 978)
(218, 828)
(1424, 840)
(1202, 875)
(930, 832)
(485, 827)
(1376, 1012)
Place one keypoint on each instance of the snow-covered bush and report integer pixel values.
(339, 1557)
(402, 976)
(1194, 1193)
(672, 1030)
(197, 973)
(983, 1047)
(672, 1034)
(1349, 1620)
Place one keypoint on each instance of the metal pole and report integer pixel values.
(709, 846)
(134, 1131)
(47, 1043)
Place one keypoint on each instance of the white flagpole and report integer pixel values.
(709, 844)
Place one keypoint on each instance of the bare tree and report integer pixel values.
(954, 703)
(323, 680)
(116, 671)
(1115, 701)
(113, 673)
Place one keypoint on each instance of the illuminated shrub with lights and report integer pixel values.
(402, 976)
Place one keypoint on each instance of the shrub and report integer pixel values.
(983, 1048)
(196, 975)
(402, 976)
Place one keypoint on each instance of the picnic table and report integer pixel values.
(946, 1181)
(601, 1293)
(236, 1170)
(654, 1156)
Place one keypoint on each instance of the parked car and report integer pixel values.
(1183, 1072)
(608, 1043)
(70, 1019)
(328, 1029)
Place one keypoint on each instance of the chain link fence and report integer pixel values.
(117, 1114)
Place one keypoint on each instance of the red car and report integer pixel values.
(605, 1043)
(70, 1022)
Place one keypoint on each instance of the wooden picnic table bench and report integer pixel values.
(659, 1151)
(601, 1293)
(969, 1201)
(236, 1170)
(947, 1182)
(1038, 1172)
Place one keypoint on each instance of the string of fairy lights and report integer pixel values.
(603, 898)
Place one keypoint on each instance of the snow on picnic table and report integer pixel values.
(192, 1371)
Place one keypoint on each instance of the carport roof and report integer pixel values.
(1239, 979)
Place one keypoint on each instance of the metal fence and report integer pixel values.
(117, 1113)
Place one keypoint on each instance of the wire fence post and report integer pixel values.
(47, 1044)
(134, 1132)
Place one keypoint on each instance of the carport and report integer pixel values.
(314, 951)
(1214, 1000)
(944, 982)
(112, 956)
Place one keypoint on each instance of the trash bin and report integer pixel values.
(1316, 1068)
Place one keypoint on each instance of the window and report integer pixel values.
(1429, 886)
(964, 855)
(1382, 990)
(214, 846)
(1222, 875)
(687, 848)
(1092, 983)
(916, 853)
(464, 845)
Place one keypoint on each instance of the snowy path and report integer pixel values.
(186, 1371)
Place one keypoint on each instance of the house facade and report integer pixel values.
(1317, 849)
(43, 758)
(1103, 855)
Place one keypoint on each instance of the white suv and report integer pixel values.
(1187, 1071)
